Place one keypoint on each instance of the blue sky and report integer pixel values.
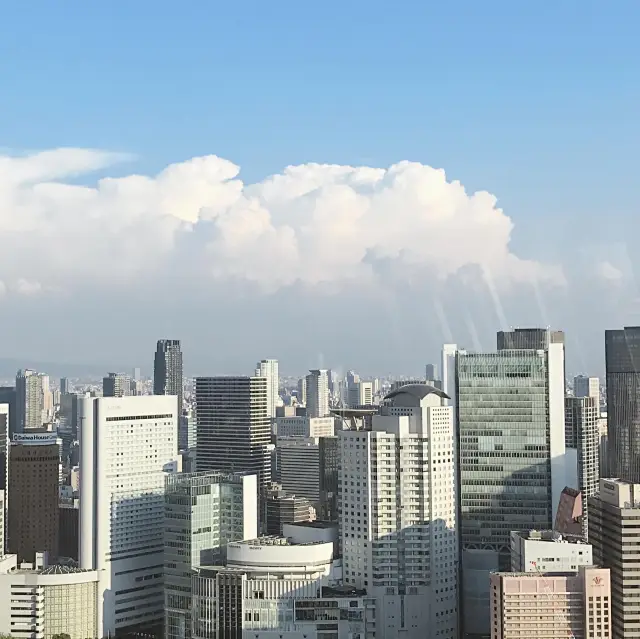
(534, 102)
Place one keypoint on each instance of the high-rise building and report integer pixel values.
(614, 513)
(8, 397)
(33, 400)
(233, 426)
(622, 356)
(117, 385)
(33, 524)
(511, 452)
(298, 462)
(398, 514)
(582, 441)
(64, 386)
(329, 474)
(587, 387)
(269, 368)
(4, 473)
(167, 370)
(127, 444)
(305, 426)
(317, 393)
(281, 508)
(551, 605)
(203, 513)
(302, 390)
(360, 394)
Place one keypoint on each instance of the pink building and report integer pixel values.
(525, 605)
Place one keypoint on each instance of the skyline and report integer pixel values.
(267, 182)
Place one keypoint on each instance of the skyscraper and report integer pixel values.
(8, 397)
(587, 387)
(398, 514)
(64, 386)
(233, 427)
(317, 393)
(117, 385)
(511, 451)
(33, 521)
(31, 400)
(268, 368)
(582, 441)
(127, 444)
(622, 356)
(203, 512)
(167, 370)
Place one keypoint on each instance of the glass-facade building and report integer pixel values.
(203, 512)
(510, 430)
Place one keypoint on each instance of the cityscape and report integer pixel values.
(491, 497)
(319, 320)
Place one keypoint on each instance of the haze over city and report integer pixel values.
(344, 186)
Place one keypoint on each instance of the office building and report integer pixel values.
(431, 374)
(329, 449)
(398, 514)
(34, 404)
(32, 497)
(360, 394)
(298, 463)
(615, 536)
(622, 357)
(167, 370)
(268, 368)
(8, 397)
(570, 513)
(317, 393)
(548, 551)
(582, 441)
(203, 513)
(117, 385)
(302, 390)
(554, 606)
(69, 537)
(233, 426)
(187, 431)
(64, 386)
(587, 387)
(127, 444)
(511, 450)
(305, 426)
(42, 600)
(281, 508)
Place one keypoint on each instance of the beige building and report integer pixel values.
(40, 601)
(551, 605)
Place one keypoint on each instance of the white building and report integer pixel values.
(269, 368)
(41, 601)
(126, 443)
(279, 588)
(398, 518)
(305, 426)
(317, 393)
(548, 551)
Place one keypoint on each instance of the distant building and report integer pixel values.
(317, 393)
(587, 387)
(8, 397)
(305, 426)
(268, 368)
(167, 370)
(33, 400)
(298, 463)
(281, 508)
(117, 385)
(570, 515)
(32, 496)
(551, 605)
(360, 394)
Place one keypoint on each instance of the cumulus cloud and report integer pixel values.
(311, 224)
(608, 272)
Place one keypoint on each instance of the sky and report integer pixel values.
(338, 184)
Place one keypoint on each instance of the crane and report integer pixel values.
(562, 618)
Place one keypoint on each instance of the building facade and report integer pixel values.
(203, 513)
(167, 370)
(117, 385)
(582, 441)
(554, 606)
(587, 387)
(127, 445)
(298, 464)
(511, 451)
(233, 426)
(622, 358)
(614, 513)
(268, 368)
(33, 524)
(548, 551)
(397, 495)
(317, 393)
(33, 400)
(305, 426)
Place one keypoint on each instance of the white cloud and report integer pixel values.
(608, 272)
(311, 224)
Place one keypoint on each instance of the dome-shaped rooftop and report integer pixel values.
(419, 391)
